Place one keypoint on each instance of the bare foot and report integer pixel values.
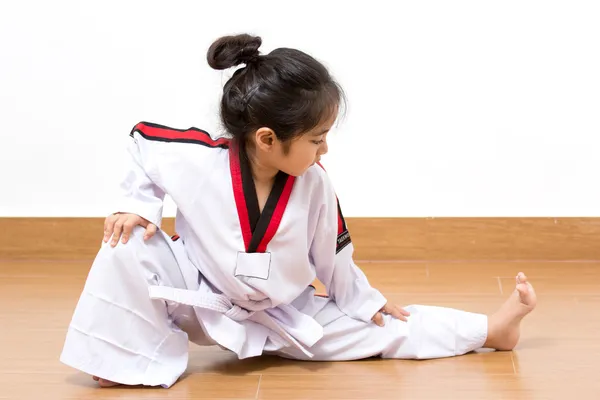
(104, 382)
(504, 325)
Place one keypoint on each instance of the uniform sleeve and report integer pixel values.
(331, 252)
(139, 193)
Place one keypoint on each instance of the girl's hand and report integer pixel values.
(393, 310)
(119, 224)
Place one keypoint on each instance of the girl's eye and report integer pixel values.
(318, 141)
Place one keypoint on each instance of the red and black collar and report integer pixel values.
(257, 228)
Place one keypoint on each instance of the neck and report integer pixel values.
(261, 172)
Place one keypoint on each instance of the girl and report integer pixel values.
(258, 221)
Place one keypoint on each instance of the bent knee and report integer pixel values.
(136, 252)
(135, 240)
(153, 257)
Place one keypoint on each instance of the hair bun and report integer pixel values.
(229, 51)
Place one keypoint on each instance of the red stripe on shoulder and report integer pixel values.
(152, 131)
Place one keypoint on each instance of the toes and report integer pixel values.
(523, 288)
(521, 278)
(530, 287)
(105, 383)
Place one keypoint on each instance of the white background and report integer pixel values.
(457, 108)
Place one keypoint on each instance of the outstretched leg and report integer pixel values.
(431, 332)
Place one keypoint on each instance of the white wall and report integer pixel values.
(457, 108)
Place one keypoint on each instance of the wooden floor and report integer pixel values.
(559, 354)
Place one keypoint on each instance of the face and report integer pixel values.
(303, 151)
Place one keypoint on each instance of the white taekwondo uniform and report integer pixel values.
(236, 277)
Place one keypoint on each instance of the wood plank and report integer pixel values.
(73, 386)
(413, 239)
(417, 386)
(558, 350)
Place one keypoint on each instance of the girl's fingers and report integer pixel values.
(127, 229)
(150, 231)
(397, 312)
(378, 319)
(118, 228)
(109, 224)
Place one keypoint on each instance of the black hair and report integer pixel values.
(286, 90)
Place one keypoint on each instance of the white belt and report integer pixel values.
(215, 302)
(222, 304)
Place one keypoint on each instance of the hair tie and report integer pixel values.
(248, 59)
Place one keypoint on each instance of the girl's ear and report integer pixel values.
(265, 139)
